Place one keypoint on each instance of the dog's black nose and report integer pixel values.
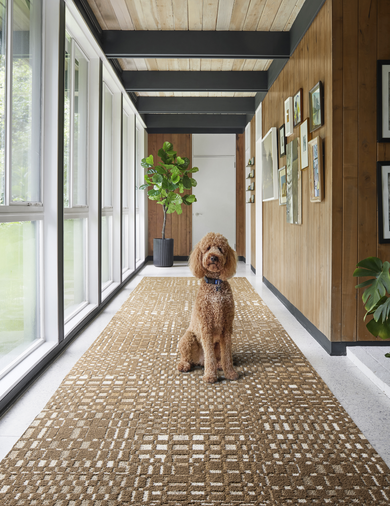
(213, 258)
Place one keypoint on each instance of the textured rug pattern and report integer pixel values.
(125, 427)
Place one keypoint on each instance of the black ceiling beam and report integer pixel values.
(210, 121)
(195, 44)
(212, 81)
(226, 105)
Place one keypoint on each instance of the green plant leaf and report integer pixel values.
(175, 179)
(365, 283)
(167, 146)
(382, 312)
(378, 329)
(153, 193)
(143, 186)
(387, 355)
(373, 264)
(194, 169)
(161, 153)
(186, 163)
(179, 160)
(187, 182)
(193, 181)
(362, 273)
(181, 188)
(160, 169)
(179, 210)
(157, 178)
(149, 160)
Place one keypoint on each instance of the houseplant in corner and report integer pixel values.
(169, 179)
(376, 297)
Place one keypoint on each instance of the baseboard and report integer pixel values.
(149, 258)
(242, 259)
(253, 269)
(333, 348)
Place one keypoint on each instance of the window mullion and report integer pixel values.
(8, 116)
(71, 121)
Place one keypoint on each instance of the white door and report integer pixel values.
(215, 209)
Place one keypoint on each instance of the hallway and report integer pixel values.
(367, 405)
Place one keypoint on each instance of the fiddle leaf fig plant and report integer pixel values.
(376, 296)
(169, 179)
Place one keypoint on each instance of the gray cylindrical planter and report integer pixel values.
(163, 252)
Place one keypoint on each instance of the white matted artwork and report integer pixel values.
(270, 164)
(383, 169)
(304, 145)
(294, 184)
(288, 116)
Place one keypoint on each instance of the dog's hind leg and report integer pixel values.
(186, 344)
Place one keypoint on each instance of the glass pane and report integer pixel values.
(19, 288)
(3, 26)
(26, 101)
(74, 264)
(67, 92)
(106, 251)
(80, 118)
(125, 242)
(107, 147)
(126, 164)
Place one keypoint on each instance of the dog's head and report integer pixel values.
(213, 257)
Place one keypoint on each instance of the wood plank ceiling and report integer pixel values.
(175, 17)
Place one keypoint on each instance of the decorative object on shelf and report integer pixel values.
(316, 170)
(288, 116)
(304, 145)
(282, 140)
(251, 162)
(298, 107)
(316, 107)
(294, 184)
(171, 174)
(252, 199)
(383, 98)
(249, 188)
(383, 182)
(251, 174)
(282, 186)
(270, 165)
(253, 186)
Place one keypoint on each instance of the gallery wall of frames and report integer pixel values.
(72, 224)
(326, 191)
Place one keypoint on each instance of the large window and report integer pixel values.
(75, 178)
(21, 203)
(127, 193)
(107, 207)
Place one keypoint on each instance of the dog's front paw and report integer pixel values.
(212, 378)
(232, 375)
(184, 366)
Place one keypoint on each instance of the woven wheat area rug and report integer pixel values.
(126, 427)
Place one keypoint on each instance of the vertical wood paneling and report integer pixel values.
(297, 259)
(253, 206)
(177, 227)
(240, 195)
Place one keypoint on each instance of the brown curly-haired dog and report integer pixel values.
(207, 340)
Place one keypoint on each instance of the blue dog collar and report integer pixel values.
(212, 281)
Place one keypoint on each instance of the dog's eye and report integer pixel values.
(208, 248)
(220, 249)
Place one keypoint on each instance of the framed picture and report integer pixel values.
(383, 188)
(294, 184)
(282, 186)
(383, 98)
(316, 107)
(270, 165)
(288, 116)
(316, 170)
(282, 140)
(304, 145)
(298, 107)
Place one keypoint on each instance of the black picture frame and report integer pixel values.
(282, 140)
(297, 108)
(383, 193)
(383, 101)
(316, 107)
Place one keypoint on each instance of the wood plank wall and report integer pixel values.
(297, 258)
(361, 37)
(177, 227)
(312, 264)
(180, 227)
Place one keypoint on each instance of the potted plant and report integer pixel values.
(376, 297)
(168, 179)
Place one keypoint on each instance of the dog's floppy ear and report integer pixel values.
(230, 266)
(195, 262)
